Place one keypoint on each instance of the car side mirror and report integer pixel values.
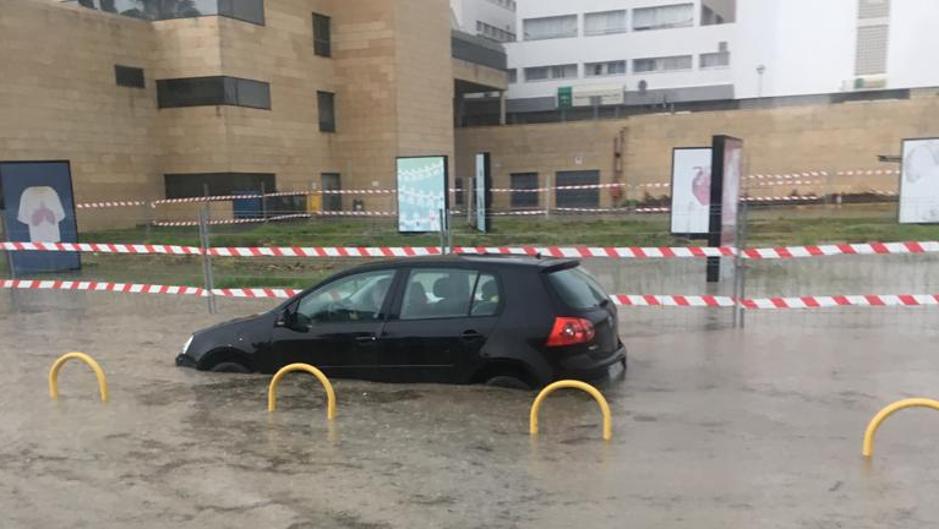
(291, 320)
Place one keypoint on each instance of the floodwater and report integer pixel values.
(712, 429)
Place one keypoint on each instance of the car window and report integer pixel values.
(577, 289)
(357, 297)
(486, 296)
(438, 293)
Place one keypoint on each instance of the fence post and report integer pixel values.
(3, 236)
(469, 198)
(547, 195)
(443, 234)
(207, 278)
(263, 202)
(740, 265)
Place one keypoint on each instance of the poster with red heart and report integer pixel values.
(691, 191)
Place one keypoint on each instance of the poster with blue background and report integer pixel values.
(422, 193)
(38, 206)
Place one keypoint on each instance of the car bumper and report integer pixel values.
(584, 367)
(184, 360)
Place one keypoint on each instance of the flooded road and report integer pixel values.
(712, 429)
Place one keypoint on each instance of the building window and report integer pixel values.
(871, 54)
(662, 64)
(512, 74)
(128, 76)
(210, 91)
(524, 199)
(719, 59)
(321, 35)
(662, 17)
(494, 33)
(331, 182)
(550, 27)
(600, 69)
(508, 4)
(246, 10)
(715, 12)
(605, 22)
(873, 8)
(188, 185)
(325, 104)
(545, 73)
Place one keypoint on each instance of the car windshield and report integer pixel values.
(577, 288)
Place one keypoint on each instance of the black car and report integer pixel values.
(504, 320)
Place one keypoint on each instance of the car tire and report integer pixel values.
(229, 367)
(509, 382)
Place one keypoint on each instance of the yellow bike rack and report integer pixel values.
(57, 365)
(330, 394)
(868, 449)
(574, 384)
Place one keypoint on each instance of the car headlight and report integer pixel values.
(187, 344)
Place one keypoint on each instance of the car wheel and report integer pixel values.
(229, 367)
(506, 381)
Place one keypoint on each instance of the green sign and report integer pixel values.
(565, 97)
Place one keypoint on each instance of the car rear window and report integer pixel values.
(577, 289)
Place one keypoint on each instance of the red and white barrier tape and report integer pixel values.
(221, 222)
(872, 248)
(616, 252)
(115, 204)
(650, 300)
(815, 302)
(627, 300)
(101, 286)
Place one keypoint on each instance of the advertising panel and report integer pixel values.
(422, 193)
(691, 191)
(39, 207)
(919, 181)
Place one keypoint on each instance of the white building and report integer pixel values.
(671, 51)
(492, 19)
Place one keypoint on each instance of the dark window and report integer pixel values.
(218, 184)
(438, 293)
(524, 199)
(325, 103)
(577, 289)
(486, 298)
(331, 182)
(128, 76)
(321, 38)
(218, 90)
(577, 198)
(246, 10)
(358, 297)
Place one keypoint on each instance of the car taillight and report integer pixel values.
(570, 331)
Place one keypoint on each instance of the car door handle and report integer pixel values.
(366, 338)
(471, 335)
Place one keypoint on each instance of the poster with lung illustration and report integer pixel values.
(38, 207)
(691, 191)
(422, 193)
(919, 181)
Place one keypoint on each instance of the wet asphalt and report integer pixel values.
(713, 428)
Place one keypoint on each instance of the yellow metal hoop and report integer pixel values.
(330, 394)
(57, 365)
(574, 384)
(867, 450)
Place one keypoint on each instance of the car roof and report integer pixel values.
(475, 259)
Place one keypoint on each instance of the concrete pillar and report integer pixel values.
(502, 107)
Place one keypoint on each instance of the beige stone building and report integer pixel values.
(148, 100)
